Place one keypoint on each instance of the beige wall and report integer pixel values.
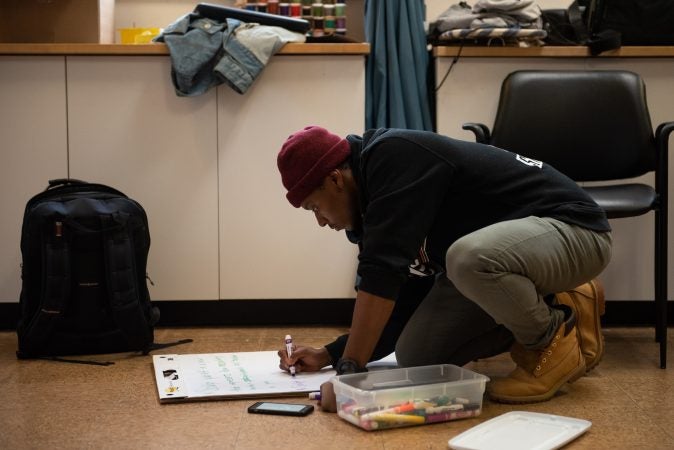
(159, 13)
(154, 13)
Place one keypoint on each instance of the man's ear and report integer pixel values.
(337, 177)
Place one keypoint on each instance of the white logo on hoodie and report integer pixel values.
(529, 161)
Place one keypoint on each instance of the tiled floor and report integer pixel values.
(45, 404)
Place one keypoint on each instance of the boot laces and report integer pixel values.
(546, 352)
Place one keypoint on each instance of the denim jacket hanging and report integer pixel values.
(205, 52)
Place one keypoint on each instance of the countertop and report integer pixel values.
(348, 49)
(551, 51)
(161, 49)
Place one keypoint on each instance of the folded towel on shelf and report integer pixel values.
(508, 21)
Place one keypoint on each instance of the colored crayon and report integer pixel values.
(398, 418)
(444, 417)
(443, 409)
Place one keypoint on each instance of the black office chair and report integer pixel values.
(592, 126)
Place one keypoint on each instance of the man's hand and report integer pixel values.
(305, 359)
(328, 401)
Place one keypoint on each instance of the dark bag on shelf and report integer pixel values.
(559, 28)
(608, 24)
(639, 22)
(84, 248)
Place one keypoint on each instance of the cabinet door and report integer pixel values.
(128, 129)
(268, 249)
(34, 148)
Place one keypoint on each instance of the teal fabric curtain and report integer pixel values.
(396, 93)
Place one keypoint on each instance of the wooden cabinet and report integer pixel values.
(204, 168)
(269, 249)
(128, 129)
(34, 149)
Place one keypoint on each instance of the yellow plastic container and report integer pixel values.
(138, 35)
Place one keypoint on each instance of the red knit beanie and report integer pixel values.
(306, 158)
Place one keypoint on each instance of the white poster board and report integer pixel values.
(217, 376)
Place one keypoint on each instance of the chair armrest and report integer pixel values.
(662, 134)
(662, 144)
(481, 131)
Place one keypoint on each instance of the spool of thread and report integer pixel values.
(307, 3)
(284, 9)
(319, 23)
(329, 25)
(251, 7)
(340, 22)
(317, 9)
(340, 9)
(272, 6)
(262, 7)
(329, 10)
(295, 9)
(306, 11)
(341, 31)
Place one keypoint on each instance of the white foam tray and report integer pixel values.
(521, 430)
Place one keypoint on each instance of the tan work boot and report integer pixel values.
(587, 302)
(540, 373)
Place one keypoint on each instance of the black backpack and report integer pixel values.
(638, 22)
(84, 248)
(607, 24)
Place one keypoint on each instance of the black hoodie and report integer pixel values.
(423, 190)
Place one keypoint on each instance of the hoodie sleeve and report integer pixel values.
(411, 295)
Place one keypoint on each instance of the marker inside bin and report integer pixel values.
(409, 396)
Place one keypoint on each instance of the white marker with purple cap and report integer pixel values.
(289, 349)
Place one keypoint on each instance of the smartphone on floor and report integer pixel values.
(284, 409)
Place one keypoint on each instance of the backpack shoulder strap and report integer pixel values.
(579, 26)
(122, 282)
(55, 292)
(584, 25)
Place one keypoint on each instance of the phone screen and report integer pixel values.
(290, 409)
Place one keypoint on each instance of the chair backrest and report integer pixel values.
(590, 125)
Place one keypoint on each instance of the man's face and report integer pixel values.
(332, 203)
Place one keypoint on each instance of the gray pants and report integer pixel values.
(494, 289)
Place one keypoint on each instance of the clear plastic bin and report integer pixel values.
(411, 396)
